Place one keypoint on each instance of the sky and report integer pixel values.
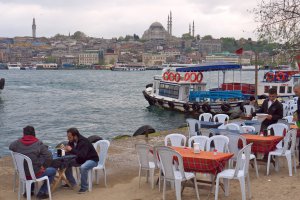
(114, 18)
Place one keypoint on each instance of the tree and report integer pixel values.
(279, 21)
(78, 35)
(207, 37)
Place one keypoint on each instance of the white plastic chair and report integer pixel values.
(174, 174)
(15, 172)
(176, 139)
(232, 126)
(288, 151)
(285, 109)
(102, 149)
(233, 147)
(20, 159)
(193, 127)
(222, 118)
(279, 130)
(290, 102)
(220, 142)
(248, 129)
(240, 173)
(289, 119)
(145, 163)
(249, 109)
(206, 117)
(201, 139)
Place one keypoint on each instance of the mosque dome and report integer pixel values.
(156, 31)
(156, 25)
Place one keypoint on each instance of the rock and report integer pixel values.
(143, 130)
(94, 138)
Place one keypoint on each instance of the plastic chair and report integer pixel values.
(279, 130)
(177, 140)
(144, 155)
(174, 174)
(239, 173)
(289, 119)
(206, 117)
(202, 140)
(102, 149)
(20, 159)
(222, 118)
(285, 109)
(288, 151)
(193, 127)
(232, 126)
(15, 172)
(220, 142)
(249, 109)
(233, 147)
(290, 102)
(248, 129)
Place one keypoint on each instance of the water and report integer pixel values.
(103, 103)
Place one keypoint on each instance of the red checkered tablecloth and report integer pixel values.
(262, 144)
(204, 162)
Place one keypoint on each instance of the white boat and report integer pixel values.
(180, 88)
(128, 67)
(15, 65)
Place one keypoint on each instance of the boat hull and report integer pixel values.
(234, 108)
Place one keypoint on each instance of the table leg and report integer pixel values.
(58, 180)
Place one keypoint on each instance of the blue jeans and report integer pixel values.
(84, 168)
(50, 172)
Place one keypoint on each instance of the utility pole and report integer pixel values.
(256, 74)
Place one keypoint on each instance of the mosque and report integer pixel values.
(156, 30)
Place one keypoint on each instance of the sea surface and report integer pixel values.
(104, 103)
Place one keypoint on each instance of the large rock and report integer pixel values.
(143, 130)
(94, 138)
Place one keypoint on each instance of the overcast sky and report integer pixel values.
(114, 18)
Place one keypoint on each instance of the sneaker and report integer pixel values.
(42, 196)
(82, 191)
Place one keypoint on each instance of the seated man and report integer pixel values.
(40, 156)
(86, 157)
(273, 108)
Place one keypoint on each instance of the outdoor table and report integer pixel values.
(203, 162)
(255, 123)
(205, 124)
(61, 163)
(216, 131)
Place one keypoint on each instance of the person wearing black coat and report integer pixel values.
(273, 108)
(297, 118)
(86, 157)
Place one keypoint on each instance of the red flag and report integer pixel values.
(239, 51)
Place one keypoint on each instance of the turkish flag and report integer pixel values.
(239, 51)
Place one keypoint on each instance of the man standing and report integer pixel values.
(273, 108)
(40, 156)
(86, 157)
(297, 116)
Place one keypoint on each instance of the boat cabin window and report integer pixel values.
(282, 89)
(275, 87)
(289, 90)
(169, 90)
(267, 89)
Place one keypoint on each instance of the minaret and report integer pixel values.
(168, 24)
(171, 23)
(190, 30)
(193, 29)
(33, 28)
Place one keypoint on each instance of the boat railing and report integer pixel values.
(217, 95)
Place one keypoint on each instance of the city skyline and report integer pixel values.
(118, 18)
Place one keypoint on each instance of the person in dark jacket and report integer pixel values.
(40, 156)
(297, 117)
(86, 157)
(273, 108)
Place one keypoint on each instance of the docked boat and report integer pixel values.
(13, 66)
(181, 88)
(128, 67)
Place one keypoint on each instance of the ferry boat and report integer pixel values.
(15, 65)
(128, 67)
(180, 88)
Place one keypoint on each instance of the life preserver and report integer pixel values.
(280, 76)
(270, 76)
(186, 106)
(171, 76)
(206, 108)
(166, 76)
(177, 77)
(187, 76)
(201, 77)
(196, 107)
(194, 77)
(225, 107)
(171, 104)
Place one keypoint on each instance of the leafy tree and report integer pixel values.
(207, 37)
(78, 35)
(136, 37)
(187, 36)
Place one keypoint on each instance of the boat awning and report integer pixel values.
(212, 67)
